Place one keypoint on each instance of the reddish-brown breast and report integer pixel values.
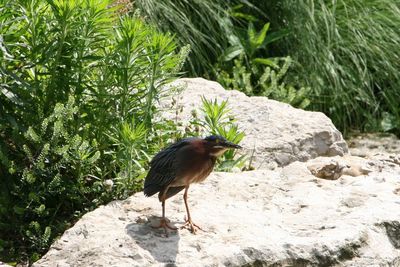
(196, 164)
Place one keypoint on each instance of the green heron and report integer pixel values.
(175, 168)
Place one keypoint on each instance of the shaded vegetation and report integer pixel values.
(202, 24)
(347, 53)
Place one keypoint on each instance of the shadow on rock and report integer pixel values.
(162, 248)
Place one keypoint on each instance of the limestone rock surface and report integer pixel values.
(278, 133)
(282, 217)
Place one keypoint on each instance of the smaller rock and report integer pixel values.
(327, 168)
(333, 168)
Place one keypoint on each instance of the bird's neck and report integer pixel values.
(218, 152)
(213, 159)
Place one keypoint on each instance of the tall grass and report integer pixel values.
(348, 53)
(201, 23)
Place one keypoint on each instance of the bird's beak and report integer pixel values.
(231, 145)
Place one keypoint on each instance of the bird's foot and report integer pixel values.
(164, 223)
(191, 226)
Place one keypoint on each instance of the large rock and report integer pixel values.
(286, 217)
(279, 133)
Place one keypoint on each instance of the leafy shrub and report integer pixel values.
(249, 44)
(264, 80)
(217, 121)
(244, 66)
(77, 102)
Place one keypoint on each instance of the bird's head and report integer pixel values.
(217, 145)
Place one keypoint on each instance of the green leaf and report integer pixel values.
(261, 35)
(304, 104)
(265, 61)
(251, 35)
(39, 210)
(273, 37)
(232, 52)
(245, 16)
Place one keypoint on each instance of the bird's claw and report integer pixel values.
(164, 223)
(191, 226)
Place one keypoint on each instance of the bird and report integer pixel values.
(179, 165)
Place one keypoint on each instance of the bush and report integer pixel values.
(261, 80)
(244, 66)
(78, 92)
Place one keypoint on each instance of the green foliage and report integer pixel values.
(247, 45)
(78, 86)
(217, 121)
(245, 67)
(264, 80)
(224, 47)
(348, 54)
(201, 24)
(48, 175)
(130, 155)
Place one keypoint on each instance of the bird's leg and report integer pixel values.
(164, 221)
(189, 223)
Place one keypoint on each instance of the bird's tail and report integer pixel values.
(151, 189)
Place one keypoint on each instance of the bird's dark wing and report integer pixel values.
(163, 168)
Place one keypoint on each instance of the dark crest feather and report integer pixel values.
(213, 138)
